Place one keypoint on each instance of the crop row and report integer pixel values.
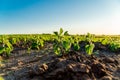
(62, 42)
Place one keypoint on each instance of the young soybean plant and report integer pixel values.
(89, 47)
(5, 47)
(61, 45)
(76, 45)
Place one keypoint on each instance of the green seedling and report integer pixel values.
(61, 46)
(89, 48)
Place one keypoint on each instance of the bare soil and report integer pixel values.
(44, 65)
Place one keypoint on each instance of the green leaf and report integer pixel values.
(57, 50)
(89, 48)
(9, 44)
(76, 46)
(56, 33)
(2, 49)
(66, 33)
(66, 45)
(41, 43)
(8, 50)
(61, 31)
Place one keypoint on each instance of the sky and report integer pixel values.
(46, 16)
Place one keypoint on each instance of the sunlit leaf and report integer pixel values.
(61, 31)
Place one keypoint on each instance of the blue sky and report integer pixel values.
(46, 16)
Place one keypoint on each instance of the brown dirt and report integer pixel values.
(44, 65)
